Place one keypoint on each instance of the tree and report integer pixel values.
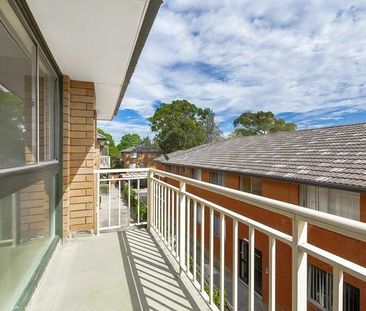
(113, 151)
(259, 123)
(212, 128)
(129, 140)
(178, 126)
(107, 136)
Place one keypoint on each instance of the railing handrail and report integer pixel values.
(324, 220)
(121, 170)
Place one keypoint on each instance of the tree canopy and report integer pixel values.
(259, 123)
(178, 125)
(212, 128)
(113, 151)
(129, 140)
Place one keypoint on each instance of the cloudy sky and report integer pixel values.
(303, 60)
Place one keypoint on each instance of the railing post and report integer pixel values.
(98, 198)
(182, 227)
(337, 288)
(150, 198)
(299, 265)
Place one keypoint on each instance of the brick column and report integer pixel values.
(79, 157)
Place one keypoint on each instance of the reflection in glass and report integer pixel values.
(47, 89)
(17, 102)
(26, 229)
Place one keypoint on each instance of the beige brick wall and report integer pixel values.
(80, 156)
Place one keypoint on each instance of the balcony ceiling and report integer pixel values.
(98, 41)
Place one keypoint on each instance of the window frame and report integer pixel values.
(304, 193)
(18, 177)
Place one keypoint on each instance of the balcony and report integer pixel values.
(188, 253)
(105, 161)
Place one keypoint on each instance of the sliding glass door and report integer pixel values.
(29, 155)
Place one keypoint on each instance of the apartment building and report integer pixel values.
(322, 169)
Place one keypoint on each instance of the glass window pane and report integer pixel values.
(245, 183)
(17, 101)
(47, 96)
(256, 186)
(26, 229)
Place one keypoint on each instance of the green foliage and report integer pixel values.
(108, 136)
(129, 140)
(212, 128)
(178, 126)
(134, 203)
(216, 295)
(113, 151)
(259, 123)
(12, 127)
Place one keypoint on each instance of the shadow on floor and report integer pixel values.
(152, 281)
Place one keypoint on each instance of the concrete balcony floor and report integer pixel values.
(114, 271)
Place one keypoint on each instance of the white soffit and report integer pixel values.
(93, 40)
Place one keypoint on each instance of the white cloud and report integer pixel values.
(233, 56)
(117, 129)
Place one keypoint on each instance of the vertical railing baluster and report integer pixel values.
(98, 200)
(182, 233)
(177, 224)
(173, 223)
(222, 261)
(161, 211)
(211, 252)
(188, 232)
(138, 201)
(129, 200)
(169, 239)
(235, 265)
(299, 265)
(251, 269)
(194, 241)
(202, 248)
(165, 218)
(119, 203)
(272, 274)
(109, 202)
(337, 288)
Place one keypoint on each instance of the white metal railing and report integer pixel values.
(169, 216)
(122, 198)
(105, 161)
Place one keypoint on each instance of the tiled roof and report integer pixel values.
(142, 148)
(332, 156)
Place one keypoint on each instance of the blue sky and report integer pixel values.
(303, 60)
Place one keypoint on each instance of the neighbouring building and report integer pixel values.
(322, 169)
(102, 146)
(139, 156)
(63, 66)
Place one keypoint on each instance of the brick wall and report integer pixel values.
(288, 192)
(80, 156)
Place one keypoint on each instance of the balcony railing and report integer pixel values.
(105, 161)
(173, 202)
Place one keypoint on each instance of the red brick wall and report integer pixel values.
(288, 192)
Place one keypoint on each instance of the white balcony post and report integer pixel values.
(98, 198)
(337, 288)
(182, 227)
(235, 265)
(272, 274)
(150, 200)
(222, 261)
(251, 277)
(299, 265)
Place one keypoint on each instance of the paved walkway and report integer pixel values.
(113, 271)
(116, 202)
